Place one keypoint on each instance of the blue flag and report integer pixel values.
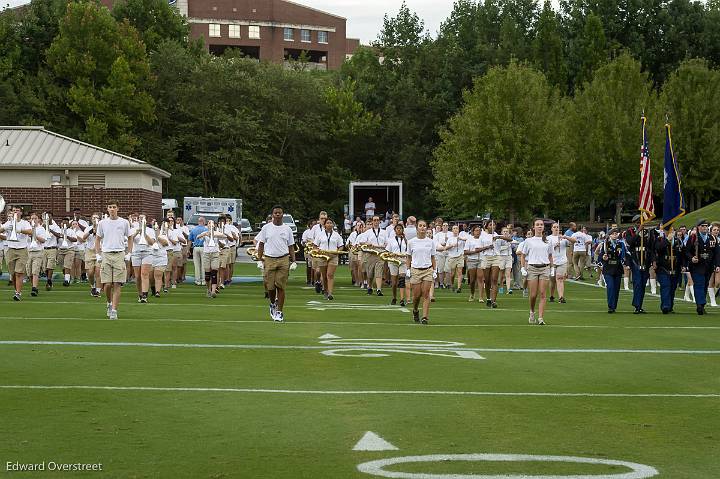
(674, 201)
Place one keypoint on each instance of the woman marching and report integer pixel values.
(714, 282)
(559, 245)
(536, 260)
(421, 270)
(398, 245)
(491, 263)
(328, 240)
(612, 257)
(473, 247)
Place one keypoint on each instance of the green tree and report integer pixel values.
(548, 53)
(156, 20)
(592, 49)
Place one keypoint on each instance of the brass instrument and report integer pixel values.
(13, 234)
(46, 222)
(314, 251)
(64, 244)
(396, 258)
(221, 227)
(376, 250)
(252, 252)
(143, 226)
(33, 237)
(156, 229)
(211, 234)
(2, 204)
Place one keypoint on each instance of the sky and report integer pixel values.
(364, 17)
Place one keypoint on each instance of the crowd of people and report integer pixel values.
(414, 258)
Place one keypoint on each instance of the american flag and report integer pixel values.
(645, 204)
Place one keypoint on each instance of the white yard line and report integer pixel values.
(363, 392)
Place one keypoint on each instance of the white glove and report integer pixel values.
(408, 273)
(523, 271)
(127, 257)
(260, 265)
(98, 257)
(293, 266)
(434, 274)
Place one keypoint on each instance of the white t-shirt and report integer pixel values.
(307, 235)
(347, 224)
(486, 239)
(353, 238)
(422, 252)
(34, 245)
(582, 241)
(502, 247)
(370, 208)
(50, 239)
(536, 251)
(230, 230)
(456, 244)
(276, 239)
(64, 239)
(23, 240)
(440, 238)
(390, 232)
(471, 244)
(316, 230)
(175, 235)
(329, 241)
(397, 245)
(113, 234)
(376, 237)
(559, 249)
(79, 245)
(137, 247)
(215, 248)
(410, 232)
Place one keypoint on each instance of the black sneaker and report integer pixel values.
(402, 302)
(459, 290)
(393, 302)
(318, 288)
(157, 294)
(330, 297)
(34, 292)
(424, 321)
(552, 299)
(16, 296)
(48, 286)
(488, 303)
(494, 305)
(165, 290)
(700, 308)
(143, 299)
(380, 293)
(611, 311)
(66, 283)
(416, 316)
(562, 300)
(369, 291)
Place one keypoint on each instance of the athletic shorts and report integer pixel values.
(275, 272)
(140, 258)
(561, 270)
(112, 268)
(454, 263)
(211, 261)
(375, 266)
(505, 262)
(35, 262)
(396, 269)
(66, 258)
(16, 260)
(538, 273)
(418, 276)
(440, 262)
(50, 258)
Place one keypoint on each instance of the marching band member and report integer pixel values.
(356, 269)
(79, 249)
(581, 252)
(159, 254)
(184, 231)
(537, 259)
(455, 247)
(440, 238)
(701, 260)
(377, 238)
(612, 257)
(399, 245)
(52, 233)
(473, 248)
(92, 266)
(559, 244)
(36, 254)
(211, 256)
(491, 267)
(143, 237)
(328, 240)
(669, 263)
(503, 251)
(714, 280)
(110, 239)
(307, 237)
(421, 270)
(275, 244)
(641, 247)
(66, 252)
(317, 230)
(17, 234)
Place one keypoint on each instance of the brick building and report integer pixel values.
(44, 171)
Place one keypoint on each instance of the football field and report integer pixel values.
(187, 386)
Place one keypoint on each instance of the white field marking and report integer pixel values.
(342, 323)
(329, 336)
(325, 306)
(377, 468)
(373, 442)
(382, 353)
(367, 392)
(419, 343)
(299, 347)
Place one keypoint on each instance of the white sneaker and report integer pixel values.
(174, 286)
(113, 314)
(541, 322)
(273, 310)
(109, 308)
(531, 319)
(279, 318)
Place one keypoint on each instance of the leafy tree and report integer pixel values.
(548, 53)
(156, 20)
(593, 49)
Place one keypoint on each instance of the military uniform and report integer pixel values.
(669, 262)
(612, 270)
(703, 247)
(641, 254)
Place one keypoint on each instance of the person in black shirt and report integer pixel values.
(668, 265)
(612, 255)
(702, 261)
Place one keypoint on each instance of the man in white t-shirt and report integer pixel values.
(581, 251)
(307, 237)
(411, 228)
(16, 233)
(275, 244)
(370, 208)
(377, 239)
(315, 231)
(112, 234)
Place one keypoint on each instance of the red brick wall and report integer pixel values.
(88, 200)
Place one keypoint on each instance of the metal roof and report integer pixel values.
(34, 147)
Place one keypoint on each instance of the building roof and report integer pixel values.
(314, 9)
(34, 147)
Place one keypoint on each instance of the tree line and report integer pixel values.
(513, 107)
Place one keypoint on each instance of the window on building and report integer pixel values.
(234, 31)
(288, 34)
(214, 30)
(322, 37)
(254, 32)
(305, 35)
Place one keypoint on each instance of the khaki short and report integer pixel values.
(397, 269)
(170, 259)
(418, 276)
(322, 262)
(505, 262)
(16, 260)
(35, 262)
(66, 258)
(375, 266)
(489, 261)
(184, 256)
(226, 257)
(440, 262)
(211, 261)
(112, 268)
(473, 263)
(50, 258)
(454, 263)
(561, 270)
(90, 260)
(275, 272)
(535, 273)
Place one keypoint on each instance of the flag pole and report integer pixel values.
(642, 213)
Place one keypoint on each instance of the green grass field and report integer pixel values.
(191, 387)
(710, 213)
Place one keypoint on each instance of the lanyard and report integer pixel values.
(328, 235)
(377, 236)
(399, 244)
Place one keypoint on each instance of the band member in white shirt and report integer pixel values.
(184, 251)
(537, 262)
(356, 269)
(440, 239)
(411, 228)
(328, 240)
(36, 253)
(52, 233)
(79, 248)
(474, 247)
(229, 253)
(17, 253)
(455, 247)
(421, 271)
(92, 266)
(491, 264)
(307, 237)
(581, 251)
(66, 250)
(377, 238)
(503, 251)
(316, 230)
(141, 256)
(398, 245)
(275, 244)
(110, 239)
(559, 244)
(211, 256)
